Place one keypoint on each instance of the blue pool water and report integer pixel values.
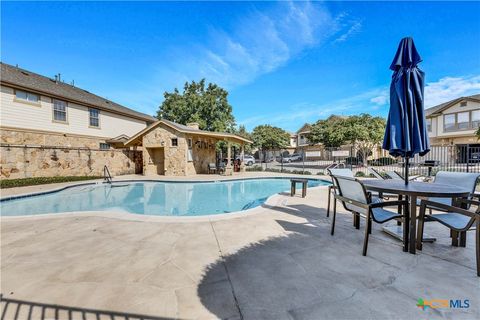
(154, 198)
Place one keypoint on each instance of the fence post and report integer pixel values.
(281, 161)
(467, 154)
(351, 158)
(303, 160)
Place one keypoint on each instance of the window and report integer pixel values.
(94, 118)
(429, 124)
(475, 119)
(463, 104)
(59, 110)
(463, 120)
(27, 96)
(449, 122)
(174, 142)
(104, 146)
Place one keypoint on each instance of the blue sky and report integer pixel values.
(284, 63)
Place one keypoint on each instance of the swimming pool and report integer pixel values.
(154, 198)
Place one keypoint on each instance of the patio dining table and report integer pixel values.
(412, 191)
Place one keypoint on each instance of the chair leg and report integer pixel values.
(399, 222)
(334, 216)
(406, 227)
(365, 240)
(477, 245)
(463, 239)
(356, 220)
(328, 202)
(369, 225)
(420, 226)
(455, 238)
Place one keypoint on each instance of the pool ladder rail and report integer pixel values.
(107, 177)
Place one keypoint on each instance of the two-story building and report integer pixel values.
(454, 122)
(51, 128)
(48, 128)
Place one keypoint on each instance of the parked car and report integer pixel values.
(247, 159)
(293, 157)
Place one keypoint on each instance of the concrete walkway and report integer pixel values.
(277, 262)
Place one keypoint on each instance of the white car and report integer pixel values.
(248, 160)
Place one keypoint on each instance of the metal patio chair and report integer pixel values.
(332, 188)
(457, 219)
(356, 199)
(212, 168)
(467, 180)
(377, 174)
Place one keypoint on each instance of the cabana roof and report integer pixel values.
(137, 138)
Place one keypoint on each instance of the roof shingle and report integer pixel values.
(18, 77)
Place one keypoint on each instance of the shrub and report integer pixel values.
(254, 168)
(13, 183)
(360, 174)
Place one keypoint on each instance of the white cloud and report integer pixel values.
(355, 28)
(380, 100)
(450, 88)
(258, 43)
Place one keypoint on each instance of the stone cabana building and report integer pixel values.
(172, 149)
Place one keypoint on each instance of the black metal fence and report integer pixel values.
(316, 160)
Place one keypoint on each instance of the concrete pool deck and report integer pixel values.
(276, 262)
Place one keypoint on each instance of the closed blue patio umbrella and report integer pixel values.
(406, 132)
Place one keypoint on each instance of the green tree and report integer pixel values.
(208, 106)
(242, 132)
(477, 133)
(365, 132)
(330, 132)
(266, 137)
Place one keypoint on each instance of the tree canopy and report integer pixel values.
(330, 132)
(206, 105)
(363, 131)
(266, 137)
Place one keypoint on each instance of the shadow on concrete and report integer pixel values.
(13, 309)
(309, 274)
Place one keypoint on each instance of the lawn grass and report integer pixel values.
(13, 183)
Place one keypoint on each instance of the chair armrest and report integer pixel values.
(468, 202)
(448, 208)
(353, 202)
(389, 203)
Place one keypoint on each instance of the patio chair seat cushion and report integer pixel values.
(446, 201)
(381, 215)
(450, 219)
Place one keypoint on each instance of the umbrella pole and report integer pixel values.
(407, 158)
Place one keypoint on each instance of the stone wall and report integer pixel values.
(174, 157)
(31, 153)
(39, 138)
(26, 162)
(203, 152)
(176, 160)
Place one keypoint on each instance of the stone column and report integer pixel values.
(228, 168)
(242, 157)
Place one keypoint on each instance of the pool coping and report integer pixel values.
(140, 217)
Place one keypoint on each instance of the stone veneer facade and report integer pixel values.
(26, 154)
(176, 160)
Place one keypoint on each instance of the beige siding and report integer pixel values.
(438, 133)
(27, 116)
